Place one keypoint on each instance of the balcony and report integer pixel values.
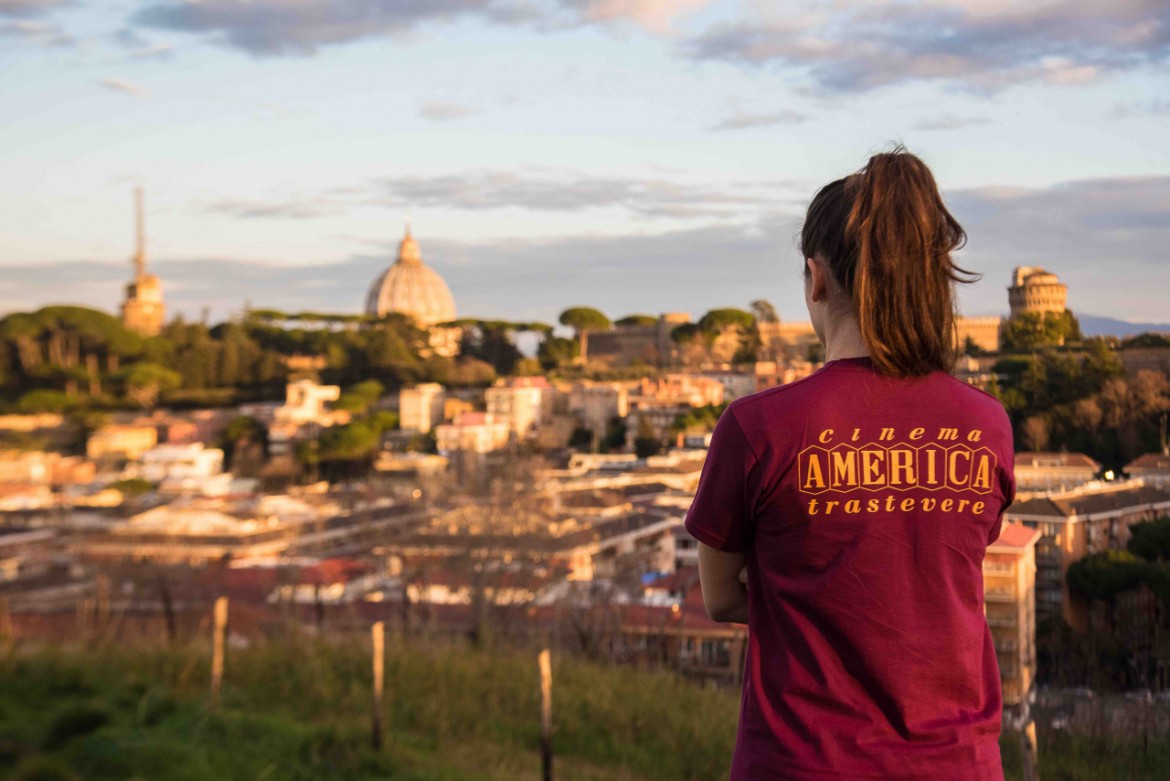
(999, 594)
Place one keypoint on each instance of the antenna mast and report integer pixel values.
(140, 246)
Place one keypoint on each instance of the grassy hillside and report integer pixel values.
(301, 711)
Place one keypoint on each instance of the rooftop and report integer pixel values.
(1157, 461)
(1015, 535)
(1049, 459)
(1092, 500)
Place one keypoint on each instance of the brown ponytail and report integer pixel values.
(887, 238)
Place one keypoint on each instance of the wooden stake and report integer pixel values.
(378, 635)
(1028, 749)
(85, 610)
(168, 611)
(221, 615)
(546, 755)
(5, 618)
(102, 617)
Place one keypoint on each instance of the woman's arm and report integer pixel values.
(724, 594)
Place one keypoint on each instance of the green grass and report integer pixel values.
(301, 710)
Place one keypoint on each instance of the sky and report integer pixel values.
(640, 156)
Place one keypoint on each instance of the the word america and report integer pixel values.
(872, 466)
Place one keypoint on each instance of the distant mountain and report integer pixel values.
(1091, 325)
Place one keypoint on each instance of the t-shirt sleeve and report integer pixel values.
(1007, 485)
(721, 514)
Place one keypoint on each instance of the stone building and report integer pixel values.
(143, 310)
(472, 432)
(124, 441)
(780, 340)
(1039, 471)
(523, 403)
(623, 345)
(1009, 600)
(1037, 291)
(1152, 469)
(412, 288)
(1073, 524)
(420, 407)
(597, 403)
(306, 410)
(983, 332)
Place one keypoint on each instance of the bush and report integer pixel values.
(44, 769)
(73, 722)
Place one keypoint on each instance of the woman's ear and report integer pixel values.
(816, 279)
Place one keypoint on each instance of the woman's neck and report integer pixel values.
(843, 339)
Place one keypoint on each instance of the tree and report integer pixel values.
(491, 341)
(615, 436)
(717, 319)
(243, 441)
(1145, 340)
(1106, 574)
(145, 381)
(1032, 330)
(764, 312)
(1035, 434)
(360, 397)
(556, 351)
(527, 367)
(697, 419)
(44, 400)
(646, 441)
(639, 320)
(584, 318)
(1151, 539)
(581, 439)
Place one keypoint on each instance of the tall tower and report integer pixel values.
(1035, 290)
(143, 310)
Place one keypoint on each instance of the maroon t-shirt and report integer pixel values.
(865, 504)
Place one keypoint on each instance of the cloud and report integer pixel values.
(28, 7)
(516, 279)
(278, 27)
(567, 191)
(123, 86)
(857, 46)
(298, 209)
(656, 16)
(1141, 108)
(1106, 239)
(541, 190)
(155, 51)
(140, 48)
(42, 33)
(445, 112)
(741, 120)
(950, 122)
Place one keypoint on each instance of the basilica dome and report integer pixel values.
(411, 288)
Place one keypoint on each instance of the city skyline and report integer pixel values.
(634, 156)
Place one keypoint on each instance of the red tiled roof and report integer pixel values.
(1149, 461)
(335, 570)
(1016, 535)
(1050, 459)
